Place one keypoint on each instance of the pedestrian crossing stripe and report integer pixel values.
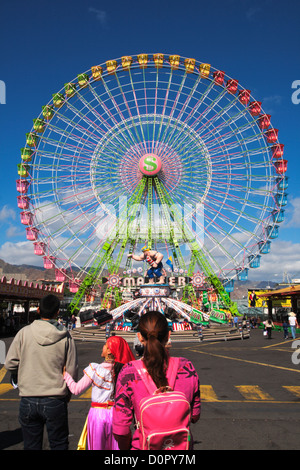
(4, 388)
(248, 392)
(295, 390)
(87, 393)
(253, 392)
(207, 393)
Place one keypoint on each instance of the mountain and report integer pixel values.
(34, 273)
(241, 288)
(25, 272)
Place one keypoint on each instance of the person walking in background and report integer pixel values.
(102, 377)
(293, 324)
(253, 299)
(285, 327)
(38, 354)
(268, 326)
(131, 389)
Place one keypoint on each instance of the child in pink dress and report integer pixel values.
(102, 377)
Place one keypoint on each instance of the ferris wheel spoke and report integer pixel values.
(231, 228)
(201, 116)
(185, 114)
(77, 125)
(165, 136)
(121, 116)
(137, 135)
(72, 137)
(100, 128)
(107, 127)
(59, 145)
(223, 117)
(115, 124)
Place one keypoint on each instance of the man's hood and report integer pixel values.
(47, 332)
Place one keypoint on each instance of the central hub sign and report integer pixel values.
(150, 164)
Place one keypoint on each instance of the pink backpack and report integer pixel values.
(164, 415)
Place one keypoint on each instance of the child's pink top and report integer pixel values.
(130, 389)
(99, 376)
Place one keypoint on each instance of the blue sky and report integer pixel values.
(47, 43)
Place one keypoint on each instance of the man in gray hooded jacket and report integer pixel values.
(38, 355)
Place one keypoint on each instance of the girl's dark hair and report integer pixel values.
(153, 326)
(115, 372)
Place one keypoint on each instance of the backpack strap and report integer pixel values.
(172, 371)
(147, 379)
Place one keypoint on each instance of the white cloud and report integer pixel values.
(7, 213)
(14, 231)
(271, 103)
(293, 211)
(19, 253)
(283, 257)
(101, 16)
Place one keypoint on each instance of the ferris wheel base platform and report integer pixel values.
(155, 297)
(213, 333)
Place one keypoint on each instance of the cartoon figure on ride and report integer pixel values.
(154, 259)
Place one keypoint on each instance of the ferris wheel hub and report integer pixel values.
(150, 164)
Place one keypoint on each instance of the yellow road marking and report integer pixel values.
(2, 373)
(253, 392)
(4, 388)
(87, 393)
(295, 389)
(246, 361)
(277, 344)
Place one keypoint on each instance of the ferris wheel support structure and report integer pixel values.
(144, 189)
(105, 255)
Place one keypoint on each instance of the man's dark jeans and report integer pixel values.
(35, 412)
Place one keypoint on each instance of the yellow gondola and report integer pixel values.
(142, 60)
(158, 60)
(126, 62)
(111, 66)
(97, 72)
(174, 61)
(189, 65)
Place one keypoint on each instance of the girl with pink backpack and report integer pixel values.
(160, 393)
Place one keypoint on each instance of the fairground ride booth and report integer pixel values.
(286, 296)
(24, 293)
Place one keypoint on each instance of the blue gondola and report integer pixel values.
(281, 199)
(228, 285)
(283, 183)
(273, 231)
(278, 216)
(264, 247)
(242, 274)
(254, 261)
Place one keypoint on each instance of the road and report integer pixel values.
(250, 393)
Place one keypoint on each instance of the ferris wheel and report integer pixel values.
(157, 149)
